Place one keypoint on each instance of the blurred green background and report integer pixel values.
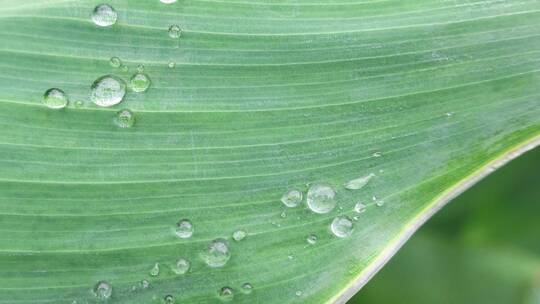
(484, 247)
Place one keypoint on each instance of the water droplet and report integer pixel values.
(377, 154)
(355, 218)
(140, 68)
(124, 119)
(167, 1)
(103, 290)
(283, 214)
(359, 207)
(168, 299)
(115, 62)
(312, 239)
(55, 99)
(144, 284)
(217, 253)
(184, 229)
(226, 294)
(247, 288)
(342, 226)
(321, 198)
(379, 203)
(298, 293)
(78, 104)
(292, 198)
(174, 31)
(155, 270)
(239, 235)
(290, 257)
(182, 266)
(140, 82)
(125, 68)
(358, 183)
(104, 15)
(108, 91)
(172, 64)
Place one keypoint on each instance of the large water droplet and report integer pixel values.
(184, 229)
(155, 270)
(104, 15)
(247, 288)
(174, 31)
(239, 235)
(108, 91)
(217, 253)
(292, 198)
(168, 299)
(124, 118)
(55, 99)
(342, 226)
(358, 183)
(359, 207)
(140, 82)
(182, 266)
(321, 198)
(103, 290)
(226, 294)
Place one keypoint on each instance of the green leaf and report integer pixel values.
(263, 97)
(480, 249)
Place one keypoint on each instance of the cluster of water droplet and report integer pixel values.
(321, 198)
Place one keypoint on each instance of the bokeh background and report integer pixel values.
(484, 247)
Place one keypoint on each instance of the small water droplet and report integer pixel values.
(342, 226)
(78, 104)
(104, 15)
(312, 239)
(125, 68)
(247, 288)
(292, 198)
(140, 82)
(377, 154)
(174, 31)
(239, 235)
(103, 290)
(290, 257)
(155, 270)
(55, 99)
(358, 183)
(379, 203)
(321, 198)
(140, 68)
(355, 218)
(184, 229)
(124, 119)
(217, 253)
(449, 114)
(168, 299)
(115, 62)
(374, 198)
(283, 214)
(298, 293)
(108, 91)
(144, 284)
(226, 294)
(359, 207)
(167, 1)
(182, 266)
(172, 64)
